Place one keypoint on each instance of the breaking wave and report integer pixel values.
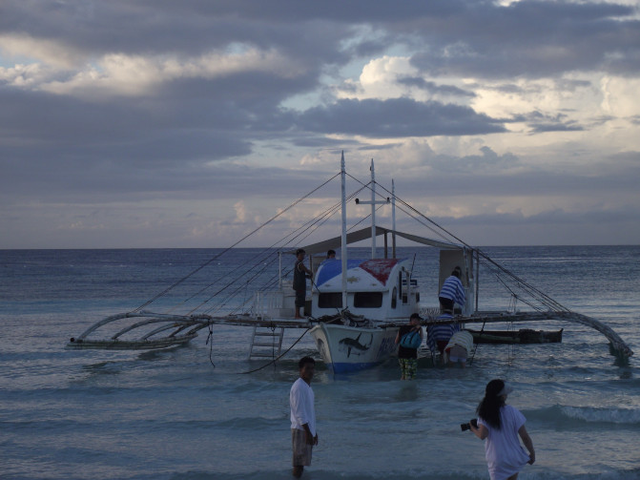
(567, 415)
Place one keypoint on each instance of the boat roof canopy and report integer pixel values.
(365, 233)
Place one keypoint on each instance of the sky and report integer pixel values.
(156, 123)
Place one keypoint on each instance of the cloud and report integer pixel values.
(188, 122)
(49, 51)
(532, 39)
(401, 117)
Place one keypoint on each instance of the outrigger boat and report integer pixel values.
(355, 306)
(522, 336)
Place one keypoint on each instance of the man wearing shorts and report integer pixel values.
(303, 416)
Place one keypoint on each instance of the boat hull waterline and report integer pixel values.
(347, 349)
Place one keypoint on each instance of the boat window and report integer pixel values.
(330, 300)
(394, 298)
(367, 300)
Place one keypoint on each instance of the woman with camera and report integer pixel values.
(500, 425)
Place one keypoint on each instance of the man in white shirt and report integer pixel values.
(303, 417)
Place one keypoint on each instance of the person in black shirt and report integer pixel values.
(408, 357)
(300, 273)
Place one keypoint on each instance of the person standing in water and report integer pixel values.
(303, 416)
(407, 355)
(500, 425)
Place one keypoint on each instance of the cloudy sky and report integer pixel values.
(158, 123)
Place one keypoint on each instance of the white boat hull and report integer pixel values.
(346, 349)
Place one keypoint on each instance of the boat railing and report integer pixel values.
(270, 304)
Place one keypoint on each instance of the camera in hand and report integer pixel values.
(466, 426)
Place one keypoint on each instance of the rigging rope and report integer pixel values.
(282, 212)
(210, 343)
(302, 232)
(299, 234)
(540, 296)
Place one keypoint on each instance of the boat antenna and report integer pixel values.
(373, 202)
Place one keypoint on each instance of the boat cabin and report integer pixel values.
(380, 289)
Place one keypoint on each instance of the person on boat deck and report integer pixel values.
(439, 334)
(300, 273)
(408, 357)
(303, 416)
(331, 255)
(500, 425)
(452, 291)
(458, 349)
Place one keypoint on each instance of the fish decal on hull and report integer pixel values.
(353, 345)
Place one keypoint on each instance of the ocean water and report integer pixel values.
(192, 412)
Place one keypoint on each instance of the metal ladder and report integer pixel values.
(266, 342)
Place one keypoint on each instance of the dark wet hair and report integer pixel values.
(489, 408)
(299, 251)
(415, 315)
(304, 360)
(456, 272)
(331, 252)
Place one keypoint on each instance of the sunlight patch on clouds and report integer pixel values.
(578, 98)
(588, 103)
(383, 71)
(448, 209)
(129, 75)
(505, 3)
(620, 96)
(47, 51)
(241, 211)
(520, 97)
(379, 79)
(315, 159)
(80, 225)
(404, 158)
(24, 76)
(525, 206)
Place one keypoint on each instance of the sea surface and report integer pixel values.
(191, 412)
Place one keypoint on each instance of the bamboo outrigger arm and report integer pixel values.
(133, 332)
(174, 324)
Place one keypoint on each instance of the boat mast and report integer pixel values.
(393, 218)
(373, 211)
(343, 238)
(373, 204)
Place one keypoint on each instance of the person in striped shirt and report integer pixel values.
(439, 334)
(452, 292)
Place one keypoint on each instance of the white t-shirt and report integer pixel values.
(505, 456)
(301, 400)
